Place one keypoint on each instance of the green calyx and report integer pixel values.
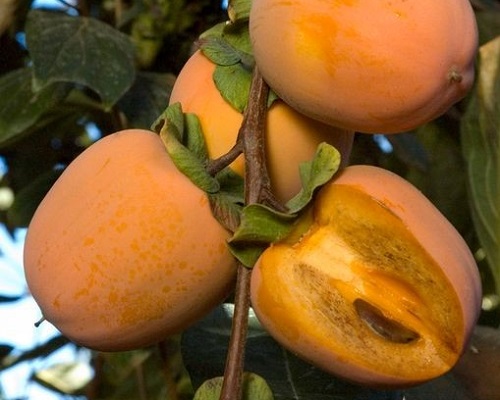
(261, 225)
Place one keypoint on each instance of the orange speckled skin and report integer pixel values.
(124, 250)
(291, 137)
(370, 66)
(373, 236)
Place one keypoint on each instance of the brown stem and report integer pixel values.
(257, 189)
(223, 161)
(232, 387)
(252, 132)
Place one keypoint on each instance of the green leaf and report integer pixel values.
(194, 139)
(80, 50)
(408, 148)
(260, 226)
(314, 174)
(481, 137)
(238, 36)
(150, 373)
(226, 205)
(288, 376)
(239, 10)
(146, 99)
(184, 141)
(488, 21)
(254, 388)
(233, 82)
(219, 51)
(442, 177)
(20, 106)
(228, 44)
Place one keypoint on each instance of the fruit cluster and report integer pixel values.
(370, 282)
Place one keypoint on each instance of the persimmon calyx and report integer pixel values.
(262, 225)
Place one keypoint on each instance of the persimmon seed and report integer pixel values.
(383, 326)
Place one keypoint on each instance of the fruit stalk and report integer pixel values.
(257, 190)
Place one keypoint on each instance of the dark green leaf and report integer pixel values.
(254, 388)
(314, 174)
(488, 23)
(289, 377)
(20, 106)
(80, 50)
(146, 99)
(139, 374)
(442, 179)
(408, 148)
(481, 148)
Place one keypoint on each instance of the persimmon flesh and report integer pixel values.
(291, 138)
(123, 250)
(374, 285)
(370, 66)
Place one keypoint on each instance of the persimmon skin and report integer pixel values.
(370, 66)
(303, 288)
(123, 250)
(291, 138)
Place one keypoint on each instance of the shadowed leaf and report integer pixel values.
(21, 106)
(80, 50)
(481, 148)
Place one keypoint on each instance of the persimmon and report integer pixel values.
(373, 285)
(124, 250)
(368, 66)
(291, 138)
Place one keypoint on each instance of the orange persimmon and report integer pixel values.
(124, 250)
(370, 66)
(373, 285)
(291, 138)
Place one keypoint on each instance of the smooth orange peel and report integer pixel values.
(369, 66)
(123, 250)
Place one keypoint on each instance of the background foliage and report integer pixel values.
(69, 77)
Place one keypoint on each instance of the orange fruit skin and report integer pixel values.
(123, 250)
(312, 314)
(291, 138)
(368, 66)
